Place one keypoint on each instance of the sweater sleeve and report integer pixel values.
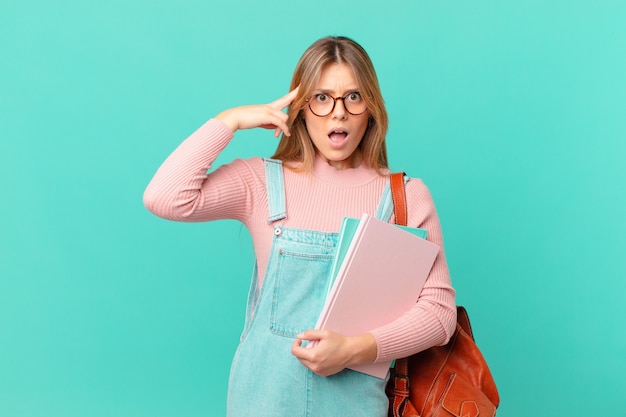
(432, 320)
(182, 190)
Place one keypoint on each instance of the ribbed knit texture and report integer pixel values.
(181, 190)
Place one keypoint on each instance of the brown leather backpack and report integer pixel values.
(450, 380)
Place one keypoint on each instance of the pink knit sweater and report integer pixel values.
(181, 190)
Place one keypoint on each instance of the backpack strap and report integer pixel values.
(400, 376)
(398, 194)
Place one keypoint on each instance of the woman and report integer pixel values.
(331, 162)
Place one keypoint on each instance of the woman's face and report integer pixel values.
(336, 137)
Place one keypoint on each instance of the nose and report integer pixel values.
(339, 111)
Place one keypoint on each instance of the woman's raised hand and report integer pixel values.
(267, 116)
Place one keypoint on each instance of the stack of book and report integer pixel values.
(378, 274)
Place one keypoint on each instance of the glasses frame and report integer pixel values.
(335, 99)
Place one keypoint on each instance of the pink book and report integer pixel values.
(380, 279)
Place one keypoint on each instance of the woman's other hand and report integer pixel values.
(267, 116)
(331, 352)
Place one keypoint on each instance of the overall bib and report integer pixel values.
(266, 380)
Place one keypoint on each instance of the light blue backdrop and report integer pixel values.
(513, 113)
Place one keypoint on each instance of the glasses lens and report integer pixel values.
(354, 103)
(321, 104)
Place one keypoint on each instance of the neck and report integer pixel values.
(353, 161)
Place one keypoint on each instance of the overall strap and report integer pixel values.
(275, 185)
(386, 206)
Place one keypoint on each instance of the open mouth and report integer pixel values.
(337, 135)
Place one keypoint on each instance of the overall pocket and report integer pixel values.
(299, 291)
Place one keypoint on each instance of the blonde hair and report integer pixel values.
(326, 51)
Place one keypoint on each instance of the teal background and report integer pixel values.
(513, 113)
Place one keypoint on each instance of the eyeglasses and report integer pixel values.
(323, 104)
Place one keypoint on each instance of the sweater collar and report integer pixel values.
(343, 177)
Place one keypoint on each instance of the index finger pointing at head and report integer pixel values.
(286, 100)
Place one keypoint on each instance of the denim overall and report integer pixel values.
(266, 379)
